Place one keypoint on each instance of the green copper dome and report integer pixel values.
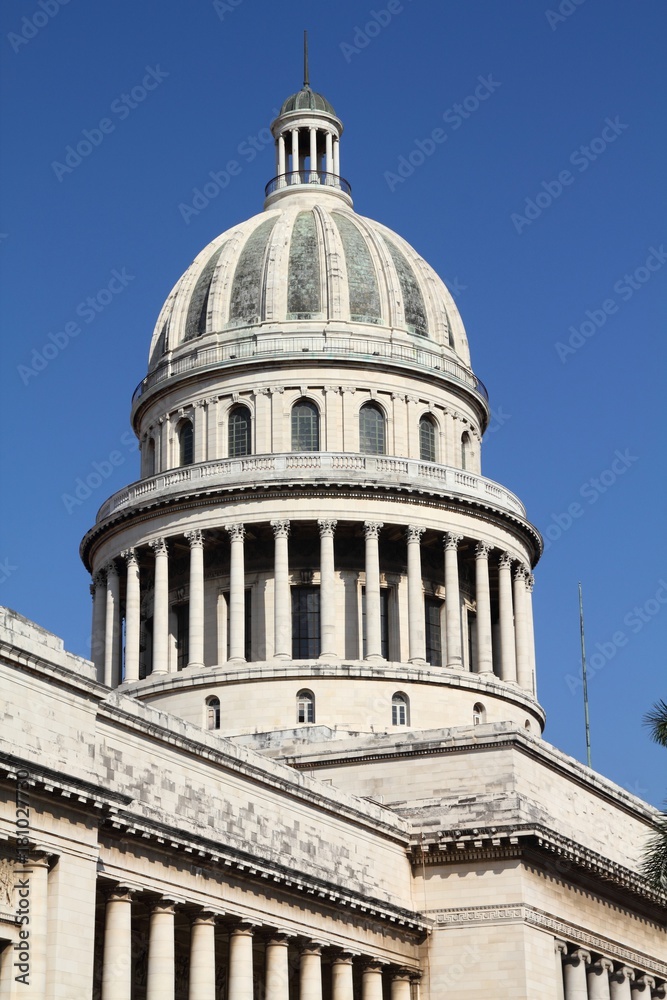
(307, 100)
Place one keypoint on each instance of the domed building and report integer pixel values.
(306, 760)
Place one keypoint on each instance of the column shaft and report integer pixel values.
(112, 629)
(400, 987)
(452, 602)
(507, 642)
(295, 155)
(239, 975)
(372, 600)
(336, 157)
(523, 668)
(328, 164)
(371, 983)
(598, 979)
(281, 155)
(160, 983)
(236, 593)
(161, 608)
(98, 590)
(196, 607)
(327, 590)
(132, 617)
(281, 591)
(416, 641)
(310, 975)
(277, 970)
(619, 983)
(530, 626)
(574, 975)
(117, 955)
(313, 154)
(483, 601)
(202, 959)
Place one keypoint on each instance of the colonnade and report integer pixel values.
(299, 151)
(205, 958)
(510, 653)
(583, 975)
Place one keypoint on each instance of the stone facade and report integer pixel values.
(306, 757)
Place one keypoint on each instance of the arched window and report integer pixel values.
(399, 710)
(466, 451)
(478, 714)
(239, 432)
(305, 706)
(213, 713)
(427, 451)
(150, 457)
(305, 426)
(371, 430)
(186, 444)
(527, 725)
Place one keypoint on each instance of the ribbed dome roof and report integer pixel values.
(308, 265)
(306, 100)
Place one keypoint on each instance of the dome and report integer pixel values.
(306, 265)
(306, 100)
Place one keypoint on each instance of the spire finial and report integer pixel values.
(306, 81)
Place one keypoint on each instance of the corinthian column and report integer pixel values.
(277, 969)
(202, 958)
(373, 623)
(507, 642)
(341, 978)
(295, 154)
(310, 973)
(530, 627)
(161, 607)
(327, 590)
(132, 616)
(239, 976)
(483, 601)
(98, 591)
(574, 974)
(160, 984)
(117, 956)
(196, 607)
(452, 602)
(598, 979)
(112, 628)
(236, 593)
(416, 641)
(281, 591)
(523, 669)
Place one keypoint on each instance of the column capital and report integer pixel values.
(413, 533)
(236, 531)
(312, 948)
(643, 982)
(111, 569)
(530, 581)
(243, 928)
(519, 571)
(505, 561)
(164, 905)
(121, 894)
(622, 974)
(204, 917)
(482, 550)
(99, 578)
(373, 964)
(130, 557)
(450, 540)
(403, 975)
(560, 947)
(159, 546)
(372, 529)
(327, 528)
(195, 538)
(578, 956)
(343, 958)
(601, 965)
(281, 529)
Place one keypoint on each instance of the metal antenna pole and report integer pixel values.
(306, 81)
(583, 670)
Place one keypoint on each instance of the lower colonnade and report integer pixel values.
(223, 955)
(582, 974)
(485, 595)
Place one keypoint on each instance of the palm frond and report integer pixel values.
(654, 865)
(656, 720)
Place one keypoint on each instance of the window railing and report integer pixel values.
(320, 177)
(295, 467)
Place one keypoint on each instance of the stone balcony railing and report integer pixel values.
(314, 468)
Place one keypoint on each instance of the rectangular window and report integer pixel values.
(384, 621)
(182, 612)
(305, 622)
(432, 608)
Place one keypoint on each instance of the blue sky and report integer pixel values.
(542, 207)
